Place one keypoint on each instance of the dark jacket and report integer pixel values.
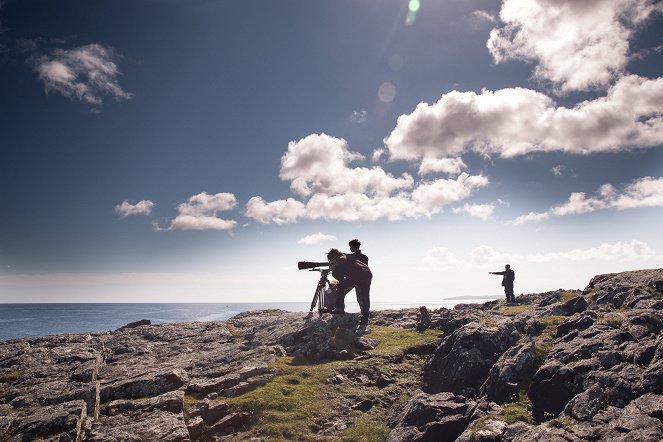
(508, 277)
(352, 269)
(358, 256)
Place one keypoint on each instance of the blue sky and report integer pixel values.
(195, 151)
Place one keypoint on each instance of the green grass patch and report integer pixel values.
(284, 408)
(513, 310)
(394, 341)
(366, 430)
(567, 296)
(520, 411)
(9, 376)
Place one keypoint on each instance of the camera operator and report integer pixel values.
(351, 273)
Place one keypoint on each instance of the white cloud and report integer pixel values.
(359, 116)
(85, 73)
(318, 168)
(619, 251)
(315, 238)
(278, 212)
(441, 256)
(143, 207)
(319, 164)
(557, 170)
(483, 211)
(482, 16)
(377, 154)
(643, 192)
(577, 45)
(485, 255)
(517, 121)
(452, 166)
(199, 213)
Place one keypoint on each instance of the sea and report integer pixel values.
(32, 320)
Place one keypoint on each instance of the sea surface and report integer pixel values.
(30, 320)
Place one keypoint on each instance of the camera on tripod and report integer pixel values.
(325, 293)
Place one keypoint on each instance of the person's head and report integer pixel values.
(507, 267)
(333, 255)
(355, 245)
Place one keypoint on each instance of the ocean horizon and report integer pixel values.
(18, 320)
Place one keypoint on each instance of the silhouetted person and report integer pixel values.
(351, 273)
(508, 276)
(355, 246)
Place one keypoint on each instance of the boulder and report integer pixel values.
(462, 361)
(431, 417)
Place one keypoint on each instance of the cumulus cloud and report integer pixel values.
(200, 213)
(318, 164)
(278, 212)
(315, 238)
(143, 207)
(441, 256)
(577, 45)
(86, 73)
(643, 192)
(518, 121)
(483, 211)
(452, 166)
(318, 168)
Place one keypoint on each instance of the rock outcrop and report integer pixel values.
(564, 365)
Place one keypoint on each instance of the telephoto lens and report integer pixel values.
(303, 265)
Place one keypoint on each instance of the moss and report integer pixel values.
(11, 375)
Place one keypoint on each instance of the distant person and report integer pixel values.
(355, 248)
(351, 273)
(508, 276)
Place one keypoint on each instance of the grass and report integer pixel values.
(567, 296)
(513, 310)
(519, 411)
(301, 401)
(394, 341)
(9, 376)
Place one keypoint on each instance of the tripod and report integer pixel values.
(319, 296)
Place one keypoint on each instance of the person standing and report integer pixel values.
(508, 276)
(351, 273)
(355, 248)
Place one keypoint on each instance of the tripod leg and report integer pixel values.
(316, 296)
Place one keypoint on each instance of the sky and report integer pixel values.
(195, 151)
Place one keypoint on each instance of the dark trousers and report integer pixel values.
(363, 290)
(508, 291)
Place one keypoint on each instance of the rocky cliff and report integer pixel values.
(567, 365)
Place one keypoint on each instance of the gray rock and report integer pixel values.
(462, 361)
(515, 364)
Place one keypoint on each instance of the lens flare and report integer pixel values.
(412, 10)
(387, 92)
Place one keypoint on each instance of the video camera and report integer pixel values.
(303, 265)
